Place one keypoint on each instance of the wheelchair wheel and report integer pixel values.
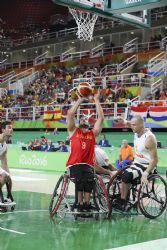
(113, 189)
(58, 195)
(152, 197)
(100, 196)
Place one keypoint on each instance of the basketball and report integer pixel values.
(84, 89)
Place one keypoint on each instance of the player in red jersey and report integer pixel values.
(81, 158)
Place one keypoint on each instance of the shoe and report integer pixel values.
(88, 207)
(8, 202)
(119, 204)
(80, 208)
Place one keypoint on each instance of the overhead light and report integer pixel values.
(101, 37)
(72, 42)
(36, 51)
(48, 47)
(166, 27)
(132, 33)
(24, 50)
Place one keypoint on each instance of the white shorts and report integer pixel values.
(2, 171)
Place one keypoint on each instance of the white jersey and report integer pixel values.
(142, 155)
(3, 148)
(101, 157)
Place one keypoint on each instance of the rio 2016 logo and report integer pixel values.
(33, 161)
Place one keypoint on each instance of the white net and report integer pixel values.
(86, 22)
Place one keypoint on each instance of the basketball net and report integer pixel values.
(86, 22)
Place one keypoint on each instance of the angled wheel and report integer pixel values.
(152, 197)
(58, 195)
(113, 189)
(100, 196)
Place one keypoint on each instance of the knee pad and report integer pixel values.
(88, 185)
(127, 177)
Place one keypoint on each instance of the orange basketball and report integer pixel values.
(84, 89)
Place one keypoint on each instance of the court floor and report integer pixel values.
(29, 226)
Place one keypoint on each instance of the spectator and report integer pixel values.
(31, 146)
(49, 146)
(62, 147)
(55, 131)
(46, 132)
(104, 142)
(125, 155)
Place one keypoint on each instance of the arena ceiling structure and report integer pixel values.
(22, 13)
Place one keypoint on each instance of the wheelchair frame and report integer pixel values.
(61, 203)
(146, 198)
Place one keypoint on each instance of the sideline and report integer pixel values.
(12, 231)
(24, 211)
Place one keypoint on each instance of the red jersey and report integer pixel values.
(82, 147)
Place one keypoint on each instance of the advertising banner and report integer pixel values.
(55, 161)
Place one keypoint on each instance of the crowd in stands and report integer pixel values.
(156, 99)
(44, 144)
(53, 86)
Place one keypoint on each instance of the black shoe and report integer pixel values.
(80, 208)
(88, 207)
(119, 204)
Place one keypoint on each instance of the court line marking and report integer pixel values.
(153, 244)
(25, 211)
(23, 178)
(12, 231)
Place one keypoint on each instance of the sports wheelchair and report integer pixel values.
(64, 199)
(148, 199)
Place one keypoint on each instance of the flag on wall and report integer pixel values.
(158, 113)
(139, 111)
(52, 115)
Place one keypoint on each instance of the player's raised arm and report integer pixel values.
(99, 123)
(71, 115)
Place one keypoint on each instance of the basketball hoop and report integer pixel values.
(86, 22)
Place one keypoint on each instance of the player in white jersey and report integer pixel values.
(145, 158)
(5, 133)
(102, 160)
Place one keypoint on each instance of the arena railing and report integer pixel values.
(131, 46)
(110, 80)
(7, 76)
(111, 110)
(82, 54)
(98, 50)
(87, 110)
